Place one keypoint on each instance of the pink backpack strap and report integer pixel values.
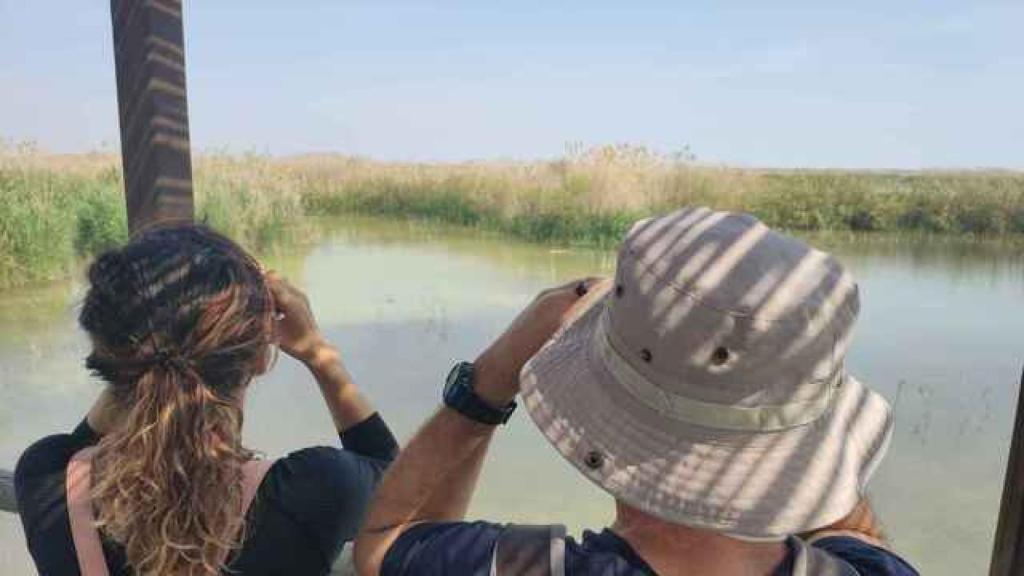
(83, 529)
(253, 473)
(84, 533)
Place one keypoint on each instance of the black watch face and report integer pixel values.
(453, 376)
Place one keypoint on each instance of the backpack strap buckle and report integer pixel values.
(530, 550)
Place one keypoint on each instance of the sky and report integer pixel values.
(890, 84)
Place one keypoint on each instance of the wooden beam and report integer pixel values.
(1008, 551)
(149, 57)
(7, 500)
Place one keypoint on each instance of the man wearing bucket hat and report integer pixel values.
(704, 388)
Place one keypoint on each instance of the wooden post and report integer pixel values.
(149, 59)
(1008, 551)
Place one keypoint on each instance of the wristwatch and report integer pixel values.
(460, 396)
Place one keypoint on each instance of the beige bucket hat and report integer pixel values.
(707, 386)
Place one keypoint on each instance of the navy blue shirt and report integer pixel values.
(465, 548)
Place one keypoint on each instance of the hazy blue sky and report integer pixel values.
(936, 83)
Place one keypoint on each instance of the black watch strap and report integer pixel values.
(460, 396)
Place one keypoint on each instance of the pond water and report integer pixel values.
(939, 335)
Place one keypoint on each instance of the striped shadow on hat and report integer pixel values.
(707, 387)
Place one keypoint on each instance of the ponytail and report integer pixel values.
(169, 479)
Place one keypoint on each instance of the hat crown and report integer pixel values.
(716, 307)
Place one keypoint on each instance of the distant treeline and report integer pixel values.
(54, 210)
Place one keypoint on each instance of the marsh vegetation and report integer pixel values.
(56, 209)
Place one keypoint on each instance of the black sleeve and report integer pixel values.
(39, 486)
(371, 438)
(51, 455)
(325, 491)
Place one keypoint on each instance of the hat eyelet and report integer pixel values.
(594, 460)
(720, 356)
(646, 355)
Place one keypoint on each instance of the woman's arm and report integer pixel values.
(347, 405)
(299, 336)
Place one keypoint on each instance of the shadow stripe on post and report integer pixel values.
(149, 59)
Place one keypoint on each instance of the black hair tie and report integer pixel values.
(171, 361)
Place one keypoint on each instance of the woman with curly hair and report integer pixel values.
(156, 480)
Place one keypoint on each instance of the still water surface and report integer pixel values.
(940, 335)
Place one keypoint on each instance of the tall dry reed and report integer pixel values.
(55, 209)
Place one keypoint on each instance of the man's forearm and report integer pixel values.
(433, 479)
(436, 474)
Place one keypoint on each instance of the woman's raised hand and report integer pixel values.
(297, 332)
(300, 338)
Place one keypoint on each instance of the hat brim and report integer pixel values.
(764, 485)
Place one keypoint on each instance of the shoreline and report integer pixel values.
(57, 210)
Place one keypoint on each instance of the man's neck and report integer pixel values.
(676, 550)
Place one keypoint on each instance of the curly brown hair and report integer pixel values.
(181, 320)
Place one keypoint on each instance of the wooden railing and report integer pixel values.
(7, 500)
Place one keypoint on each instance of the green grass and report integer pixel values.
(57, 210)
(49, 219)
(56, 213)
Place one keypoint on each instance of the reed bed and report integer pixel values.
(55, 210)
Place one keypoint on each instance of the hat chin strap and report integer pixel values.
(766, 418)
